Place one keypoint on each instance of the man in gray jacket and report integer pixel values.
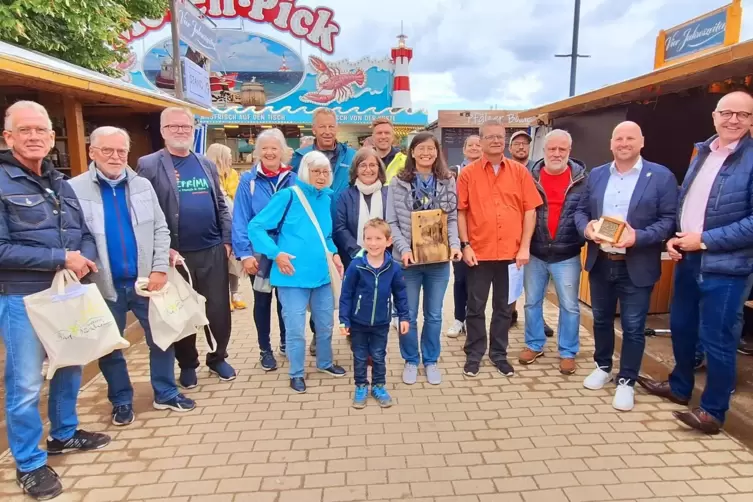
(133, 241)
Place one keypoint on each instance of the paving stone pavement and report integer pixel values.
(539, 436)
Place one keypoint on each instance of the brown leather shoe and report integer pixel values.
(567, 365)
(661, 389)
(528, 356)
(699, 420)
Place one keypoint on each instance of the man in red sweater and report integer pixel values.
(555, 251)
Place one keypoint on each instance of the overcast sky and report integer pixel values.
(474, 54)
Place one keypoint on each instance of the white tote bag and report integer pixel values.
(334, 274)
(73, 322)
(176, 311)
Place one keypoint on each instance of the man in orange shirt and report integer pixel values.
(497, 201)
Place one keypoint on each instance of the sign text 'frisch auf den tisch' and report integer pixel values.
(313, 25)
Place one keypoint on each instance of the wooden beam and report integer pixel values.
(74, 124)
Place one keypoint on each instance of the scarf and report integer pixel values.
(364, 214)
(271, 174)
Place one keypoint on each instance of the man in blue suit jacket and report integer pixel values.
(644, 195)
(714, 250)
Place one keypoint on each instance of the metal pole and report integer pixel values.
(574, 52)
(175, 32)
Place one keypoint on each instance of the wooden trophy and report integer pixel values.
(609, 229)
(429, 236)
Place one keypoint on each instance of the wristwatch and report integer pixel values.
(464, 245)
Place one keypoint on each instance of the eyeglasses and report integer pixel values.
(494, 137)
(727, 114)
(425, 149)
(107, 152)
(519, 144)
(28, 131)
(364, 166)
(319, 172)
(176, 128)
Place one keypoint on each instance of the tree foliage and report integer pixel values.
(82, 32)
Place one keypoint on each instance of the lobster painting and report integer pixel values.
(332, 84)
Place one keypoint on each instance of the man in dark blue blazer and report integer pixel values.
(644, 195)
(714, 250)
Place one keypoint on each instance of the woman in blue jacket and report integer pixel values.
(300, 271)
(360, 203)
(255, 189)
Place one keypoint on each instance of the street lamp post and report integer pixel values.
(574, 52)
(175, 32)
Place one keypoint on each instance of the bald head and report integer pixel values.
(733, 117)
(626, 144)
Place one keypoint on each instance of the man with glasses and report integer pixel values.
(714, 251)
(497, 201)
(128, 248)
(42, 231)
(188, 190)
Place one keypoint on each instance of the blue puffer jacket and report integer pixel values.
(298, 236)
(37, 227)
(253, 194)
(728, 228)
(367, 293)
(340, 169)
(568, 242)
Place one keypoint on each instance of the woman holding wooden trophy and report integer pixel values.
(422, 212)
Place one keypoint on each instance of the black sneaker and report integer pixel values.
(223, 370)
(283, 350)
(123, 415)
(188, 379)
(298, 384)
(268, 361)
(514, 317)
(179, 403)
(548, 331)
(745, 347)
(312, 345)
(81, 441)
(504, 368)
(40, 484)
(334, 370)
(471, 369)
(699, 362)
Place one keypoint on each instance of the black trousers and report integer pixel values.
(460, 289)
(482, 277)
(209, 273)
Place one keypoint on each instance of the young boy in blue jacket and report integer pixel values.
(371, 282)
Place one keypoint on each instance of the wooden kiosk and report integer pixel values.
(672, 104)
(79, 100)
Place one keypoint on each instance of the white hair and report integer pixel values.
(24, 105)
(323, 110)
(171, 110)
(274, 134)
(103, 131)
(558, 133)
(313, 159)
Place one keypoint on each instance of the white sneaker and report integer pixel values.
(410, 373)
(457, 329)
(624, 398)
(597, 379)
(395, 324)
(433, 376)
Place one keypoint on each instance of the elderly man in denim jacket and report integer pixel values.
(42, 231)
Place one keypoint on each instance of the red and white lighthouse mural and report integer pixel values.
(401, 55)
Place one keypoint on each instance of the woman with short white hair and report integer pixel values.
(302, 249)
(269, 175)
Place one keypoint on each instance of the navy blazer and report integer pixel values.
(345, 232)
(652, 212)
(158, 168)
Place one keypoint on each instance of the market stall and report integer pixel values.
(78, 101)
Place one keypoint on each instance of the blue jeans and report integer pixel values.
(706, 307)
(294, 303)
(161, 363)
(699, 352)
(433, 279)
(23, 385)
(369, 341)
(610, 282)
(566, 277)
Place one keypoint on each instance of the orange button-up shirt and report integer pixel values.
(495, 205)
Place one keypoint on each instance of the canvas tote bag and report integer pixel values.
(334, 275)
(73, 322)
(176, 311)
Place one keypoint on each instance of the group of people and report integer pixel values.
(297, 224)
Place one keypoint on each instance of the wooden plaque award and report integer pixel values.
(609, 229)
(429, 236)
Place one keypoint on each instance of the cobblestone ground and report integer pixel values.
(539, 436)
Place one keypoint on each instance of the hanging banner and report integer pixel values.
(197, 34)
